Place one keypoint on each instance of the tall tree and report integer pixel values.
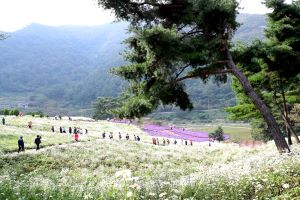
(273, 65)
(176, 40)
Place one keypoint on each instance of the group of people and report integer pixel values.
(70, 130)
(37, 141)
(111, 136)
(155, 141)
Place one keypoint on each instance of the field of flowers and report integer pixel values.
(177, 133)
(126, 169)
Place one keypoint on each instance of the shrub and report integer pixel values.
(15, 112)
(6, 112)
(218, 134)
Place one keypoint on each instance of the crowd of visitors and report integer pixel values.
(76, 131)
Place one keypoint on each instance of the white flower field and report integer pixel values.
(97, 168)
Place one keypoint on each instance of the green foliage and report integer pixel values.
(164, 54)
(103, 107)
(260, 131)
(6, 111)
(69, 52)
(16, 112)
(218, 134)
(272, 67)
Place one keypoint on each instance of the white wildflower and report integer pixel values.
(162, 194)
(129, 194)
(286, 185)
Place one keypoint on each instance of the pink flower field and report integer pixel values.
(177, 133)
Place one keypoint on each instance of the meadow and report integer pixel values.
(96, 168)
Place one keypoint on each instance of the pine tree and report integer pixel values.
(176, 40)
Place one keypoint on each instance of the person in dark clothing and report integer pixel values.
(3, 121)
(127, 136)
(120, 136)
(52, 129)
(60, 129)
(75, 130)
(138, 138)
(70, 130)
(186, 142)
(86, 131)
(175, 142)
(63, 130)
(103, 135)
(38, 141)
(21, 144)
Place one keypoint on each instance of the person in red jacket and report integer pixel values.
(76, 136)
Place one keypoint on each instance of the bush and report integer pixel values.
(6, 112)
(218, 134)
(260, 131)
(16, 112)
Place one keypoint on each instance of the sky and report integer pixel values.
(16, 14)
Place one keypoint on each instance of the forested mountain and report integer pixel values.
(52, 68)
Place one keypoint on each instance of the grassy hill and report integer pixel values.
(96, 168)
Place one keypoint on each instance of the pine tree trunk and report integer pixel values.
(286, 119)
(279, 139)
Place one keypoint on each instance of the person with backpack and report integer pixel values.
(38, 141)
(21, 144)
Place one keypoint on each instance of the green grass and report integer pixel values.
(121, 169)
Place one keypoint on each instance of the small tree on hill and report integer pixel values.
(218, 134)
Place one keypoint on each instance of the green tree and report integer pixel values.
(176, 40)
(272, 67)
(218, 134)
(104, 107)
(6, 112)
(16, 112)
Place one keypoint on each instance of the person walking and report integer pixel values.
(120, 136)
(21, 144)
(138, 138)
(30, 124)
(127, 136)
(3, 121)
(76, 137)
(38, 141)
(52, 129)
(70, 130)
(103, 135)
(60, 129)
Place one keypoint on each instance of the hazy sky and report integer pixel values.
(15, 14)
